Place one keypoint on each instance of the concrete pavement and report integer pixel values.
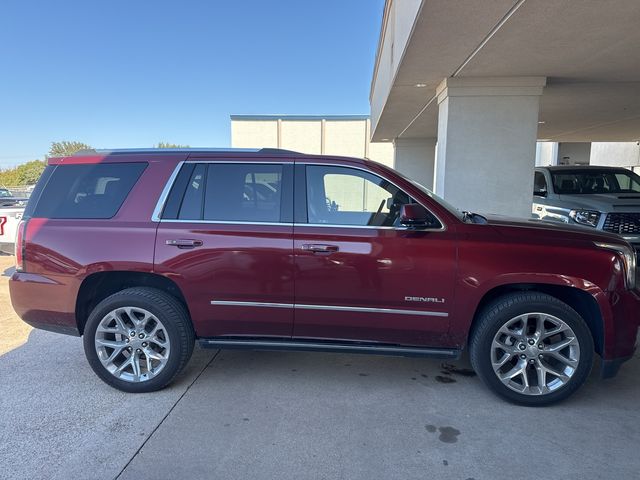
(302, 415)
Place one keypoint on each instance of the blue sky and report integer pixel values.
(125, 73)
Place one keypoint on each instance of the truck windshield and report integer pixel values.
(593, 181)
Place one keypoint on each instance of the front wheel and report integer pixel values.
(532, 349)
(137, 340)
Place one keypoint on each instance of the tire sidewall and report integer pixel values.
(124, 299)
(496, 317)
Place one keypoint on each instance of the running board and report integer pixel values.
(342, 347)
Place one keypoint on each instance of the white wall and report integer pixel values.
(314, 135)
(401, 16)
(381, 152)
(615, 154)
(301, 135)
(415, 158)
(574, 153)
(253, 133)
(345, 137)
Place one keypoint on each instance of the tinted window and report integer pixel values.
(592, 181)
(191, 207)
(243, 192)
(539, 183)
(87, 191)
(345, 196)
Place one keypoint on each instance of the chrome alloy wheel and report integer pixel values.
(132, 344)
(535, 353)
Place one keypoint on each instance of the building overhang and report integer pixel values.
(587, 51)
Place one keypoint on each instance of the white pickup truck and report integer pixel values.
(11, 210)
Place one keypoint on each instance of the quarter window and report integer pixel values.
(87, 190)
(345, 196)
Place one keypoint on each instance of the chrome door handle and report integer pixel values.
(320, 248)
(184, 243)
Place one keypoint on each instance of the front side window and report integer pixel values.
(346, 196)
(539, 184)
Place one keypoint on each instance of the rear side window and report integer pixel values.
(245, 193)
(229, 192)
(87, 191)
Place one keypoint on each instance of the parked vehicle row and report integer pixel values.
(11, 210)
(142, 252)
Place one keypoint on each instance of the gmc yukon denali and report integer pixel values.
(143, 252)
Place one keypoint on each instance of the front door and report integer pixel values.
(360, 275)
(226, 239)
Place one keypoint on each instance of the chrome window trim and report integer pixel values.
(162, 200)
(155, 217)
(284, 161)
(225, 222)
(339, 308)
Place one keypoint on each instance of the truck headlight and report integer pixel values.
(585, 217)
(628, 257)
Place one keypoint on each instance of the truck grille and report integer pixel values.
(622, 223)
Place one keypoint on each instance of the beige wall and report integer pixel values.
(315, 135)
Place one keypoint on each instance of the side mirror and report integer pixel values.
(414, 215)
(541, 192)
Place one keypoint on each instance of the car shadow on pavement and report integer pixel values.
(253, 414)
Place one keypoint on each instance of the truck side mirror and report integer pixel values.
(541, 192)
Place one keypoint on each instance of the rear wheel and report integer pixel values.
(531, 348)
(139, 339)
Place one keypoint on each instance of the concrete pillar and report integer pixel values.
(415, 158)
(487, 130)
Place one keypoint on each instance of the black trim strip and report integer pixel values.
(311, 346)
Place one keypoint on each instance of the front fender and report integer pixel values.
(473, 295)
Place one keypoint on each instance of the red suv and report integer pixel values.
(142, 252)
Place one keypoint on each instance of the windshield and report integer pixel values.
(4, 192)
(585, 182)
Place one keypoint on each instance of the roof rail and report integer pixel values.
(268, 151)
(97, 151)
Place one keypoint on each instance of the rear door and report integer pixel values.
(226, 238)
(360, 275)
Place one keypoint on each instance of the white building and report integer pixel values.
(486, 80)
(347, 135)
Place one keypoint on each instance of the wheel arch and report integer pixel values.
(581, 301)
(98, 286)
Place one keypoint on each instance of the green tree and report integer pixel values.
(169, 145)
(67, 148)
(29, 173)
(25, 174)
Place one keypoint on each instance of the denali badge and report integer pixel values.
(424, 299)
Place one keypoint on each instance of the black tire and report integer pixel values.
(509, 306)
(173, 316)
